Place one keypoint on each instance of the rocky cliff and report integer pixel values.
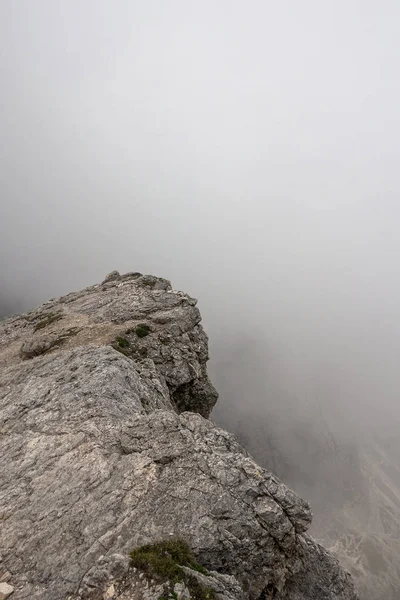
(106, 446)
(353, 484)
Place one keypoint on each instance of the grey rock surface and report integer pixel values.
(113, 276)
(105, 446)
(322, 577)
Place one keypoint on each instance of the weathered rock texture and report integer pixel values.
(105, 445)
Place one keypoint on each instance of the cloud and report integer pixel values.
(248, 153)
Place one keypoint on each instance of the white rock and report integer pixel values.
(110, 593)
(5, 590)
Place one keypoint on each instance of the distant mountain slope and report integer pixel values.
(354, 490)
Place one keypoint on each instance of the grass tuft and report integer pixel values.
(164, 561)
(122, 342)
(142, 330)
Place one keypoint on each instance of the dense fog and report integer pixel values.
(246, 151)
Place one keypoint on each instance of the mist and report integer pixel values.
(246, 151)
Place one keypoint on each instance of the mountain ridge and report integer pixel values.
(106, 445)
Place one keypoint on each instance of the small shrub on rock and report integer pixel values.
(142, 330)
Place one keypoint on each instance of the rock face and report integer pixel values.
(353, 485)
(105, 446)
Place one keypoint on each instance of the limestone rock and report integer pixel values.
(109, 593)
(4, 575)
(113, 276)
(105, 446)
(5, 590)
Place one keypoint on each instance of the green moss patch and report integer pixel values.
(164, 561)
(122, 342)
(123, 345)
(142, 330)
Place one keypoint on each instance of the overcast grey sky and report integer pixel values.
(248, 151)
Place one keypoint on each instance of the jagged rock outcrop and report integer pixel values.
(105, 446)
